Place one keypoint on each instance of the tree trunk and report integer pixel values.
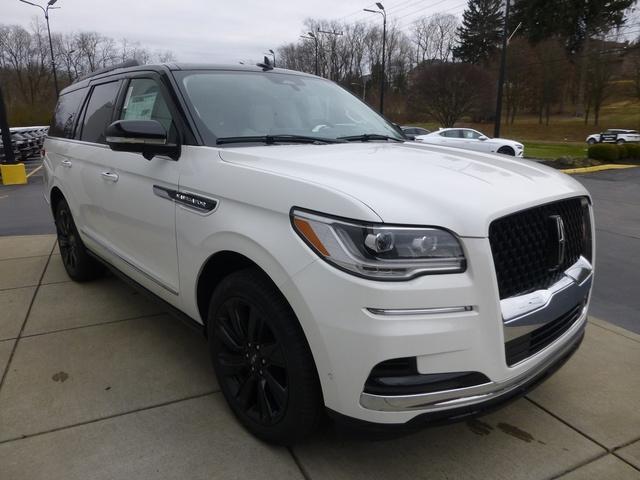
(582, 80)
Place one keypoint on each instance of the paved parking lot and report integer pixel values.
(97, 382)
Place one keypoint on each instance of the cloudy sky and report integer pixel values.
(209, 30)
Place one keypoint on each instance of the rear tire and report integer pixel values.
(262, 360)
(80, 266)
(621, 141)
(507, 151)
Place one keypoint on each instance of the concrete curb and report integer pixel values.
(597, 168)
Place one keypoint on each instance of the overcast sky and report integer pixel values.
(213, 31)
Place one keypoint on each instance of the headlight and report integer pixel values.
(378, 251)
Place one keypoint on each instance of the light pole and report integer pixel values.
(46, 16)
(274, 57)
(384, 48)
(313, 37)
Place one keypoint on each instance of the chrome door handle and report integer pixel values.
(66, 163)
(110, 176)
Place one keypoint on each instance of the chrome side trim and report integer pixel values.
(188, 200)
(137, 140)
(130, 263)
(461, 397)
(525, 313)
(418, 311)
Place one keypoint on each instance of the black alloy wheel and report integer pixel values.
(263, 362)
(80, 266)
(250, 361)
(67, 241)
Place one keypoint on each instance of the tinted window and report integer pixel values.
(64, 117)
(99, 111)
(144, 101)
(451, 134)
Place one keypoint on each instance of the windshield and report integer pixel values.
(253, 104)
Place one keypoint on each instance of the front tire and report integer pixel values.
(621, 141)
(80, 266)
(507, 151)
(591, 141)
(262, 360)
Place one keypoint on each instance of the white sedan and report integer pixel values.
(470, 139)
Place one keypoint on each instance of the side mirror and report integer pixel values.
(483, 138)
(147, 137)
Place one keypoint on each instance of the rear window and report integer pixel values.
(64, 117)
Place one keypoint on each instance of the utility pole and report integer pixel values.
(9, 157)
(382, 12)
(503, 72)
(46, 16)
(337, 34)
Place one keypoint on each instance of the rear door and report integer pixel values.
(139, 224)
(91, 153)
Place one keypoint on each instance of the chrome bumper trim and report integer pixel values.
(525, 313)
(461, 397)
(418, 311)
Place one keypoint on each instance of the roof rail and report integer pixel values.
(128, 63)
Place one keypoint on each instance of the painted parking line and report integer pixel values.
(597, 168)
(34, 171)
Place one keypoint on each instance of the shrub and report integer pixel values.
(605, 152)
(633, 151)
(623, 152)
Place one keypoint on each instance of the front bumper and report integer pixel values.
(449, 323)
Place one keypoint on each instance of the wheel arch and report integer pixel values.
(54, 198)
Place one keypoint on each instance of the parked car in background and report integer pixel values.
(333, 265)
(614, 135)
(470, 139)
(411, 132)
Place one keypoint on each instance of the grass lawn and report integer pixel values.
(552, 151)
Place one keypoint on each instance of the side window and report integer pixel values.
(471, 134)
(64, 117)
(99, 112)
(452, 134)
(144, 101)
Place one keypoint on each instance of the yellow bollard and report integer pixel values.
(14, 174)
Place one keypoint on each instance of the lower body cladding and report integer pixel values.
(438, 346)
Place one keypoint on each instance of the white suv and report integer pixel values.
(333, 266)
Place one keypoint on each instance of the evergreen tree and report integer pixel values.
(481, 31)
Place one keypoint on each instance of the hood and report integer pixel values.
(417, 184)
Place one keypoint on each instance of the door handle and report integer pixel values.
(110, 176)
(66, 163)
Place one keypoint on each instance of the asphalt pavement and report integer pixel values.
(616, 198)
(616, 194)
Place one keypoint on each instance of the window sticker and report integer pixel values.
(140, 107)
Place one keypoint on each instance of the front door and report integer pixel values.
(139, 225)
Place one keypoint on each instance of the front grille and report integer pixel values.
(525, 245)
(523, 347)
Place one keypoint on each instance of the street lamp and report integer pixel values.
(313, 37)
(384, 47)
(274, 57)
(46, 16)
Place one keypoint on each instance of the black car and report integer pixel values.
(411, 132)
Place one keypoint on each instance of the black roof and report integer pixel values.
(164, 67)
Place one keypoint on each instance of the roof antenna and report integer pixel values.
(266, 65)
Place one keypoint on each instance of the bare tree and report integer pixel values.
(449, 91)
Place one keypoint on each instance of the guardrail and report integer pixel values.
(26, 141)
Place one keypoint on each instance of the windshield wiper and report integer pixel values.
(271, 139)
(365, 137)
